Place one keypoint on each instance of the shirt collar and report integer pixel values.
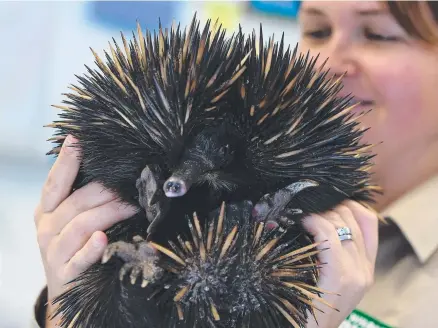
(416, 215)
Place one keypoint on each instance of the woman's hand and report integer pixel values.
(347, 266)
(69, 226)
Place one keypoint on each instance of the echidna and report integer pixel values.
(185, 121)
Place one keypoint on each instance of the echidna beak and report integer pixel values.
(175, 188)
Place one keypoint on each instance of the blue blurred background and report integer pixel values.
(43, 45)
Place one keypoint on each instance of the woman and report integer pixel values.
(70, 228)
(390, 53)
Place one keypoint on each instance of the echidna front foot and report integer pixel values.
(273, 208)
(139, 257)
(151, 196)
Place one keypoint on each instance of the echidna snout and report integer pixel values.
(175, 187)
(209, 153)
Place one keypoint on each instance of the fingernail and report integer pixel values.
(97, 243)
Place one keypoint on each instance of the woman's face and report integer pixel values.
(387, 70)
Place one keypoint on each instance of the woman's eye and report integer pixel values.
(379, 37)
(319, 34)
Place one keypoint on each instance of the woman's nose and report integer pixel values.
(340, 66)
(340, 57)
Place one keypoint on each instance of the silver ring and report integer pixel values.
(344, 233)
(345, 237)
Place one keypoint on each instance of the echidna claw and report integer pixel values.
(274, 206)
(285, 221)
(151, 196)
(139, 257)
(291, 212)
(137, 239)
(115, 248)
(296, 187)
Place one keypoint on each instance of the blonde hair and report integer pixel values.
(418, 18)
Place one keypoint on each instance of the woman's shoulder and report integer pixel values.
(405, 288)
(415, 214)
(406, 274)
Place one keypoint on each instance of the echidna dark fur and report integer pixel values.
(184, 121)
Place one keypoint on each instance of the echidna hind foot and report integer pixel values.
(140, 259)
(289, 205)
(275, 208)
(99, 298)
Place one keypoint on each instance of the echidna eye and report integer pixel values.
(225, 150)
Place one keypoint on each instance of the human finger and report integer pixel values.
(344, 218)
(354, 249)
(87, 255)
(357, 234)
(81, 200)
(79, 230)
(61, 176)
(369, 225)
(323, 232)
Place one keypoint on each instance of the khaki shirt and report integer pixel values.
(405, 293)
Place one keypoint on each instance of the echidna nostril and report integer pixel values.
(174, 188)
(169, 186)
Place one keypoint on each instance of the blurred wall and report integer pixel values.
(44, 44)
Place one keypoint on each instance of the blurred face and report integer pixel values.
(387, 71)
